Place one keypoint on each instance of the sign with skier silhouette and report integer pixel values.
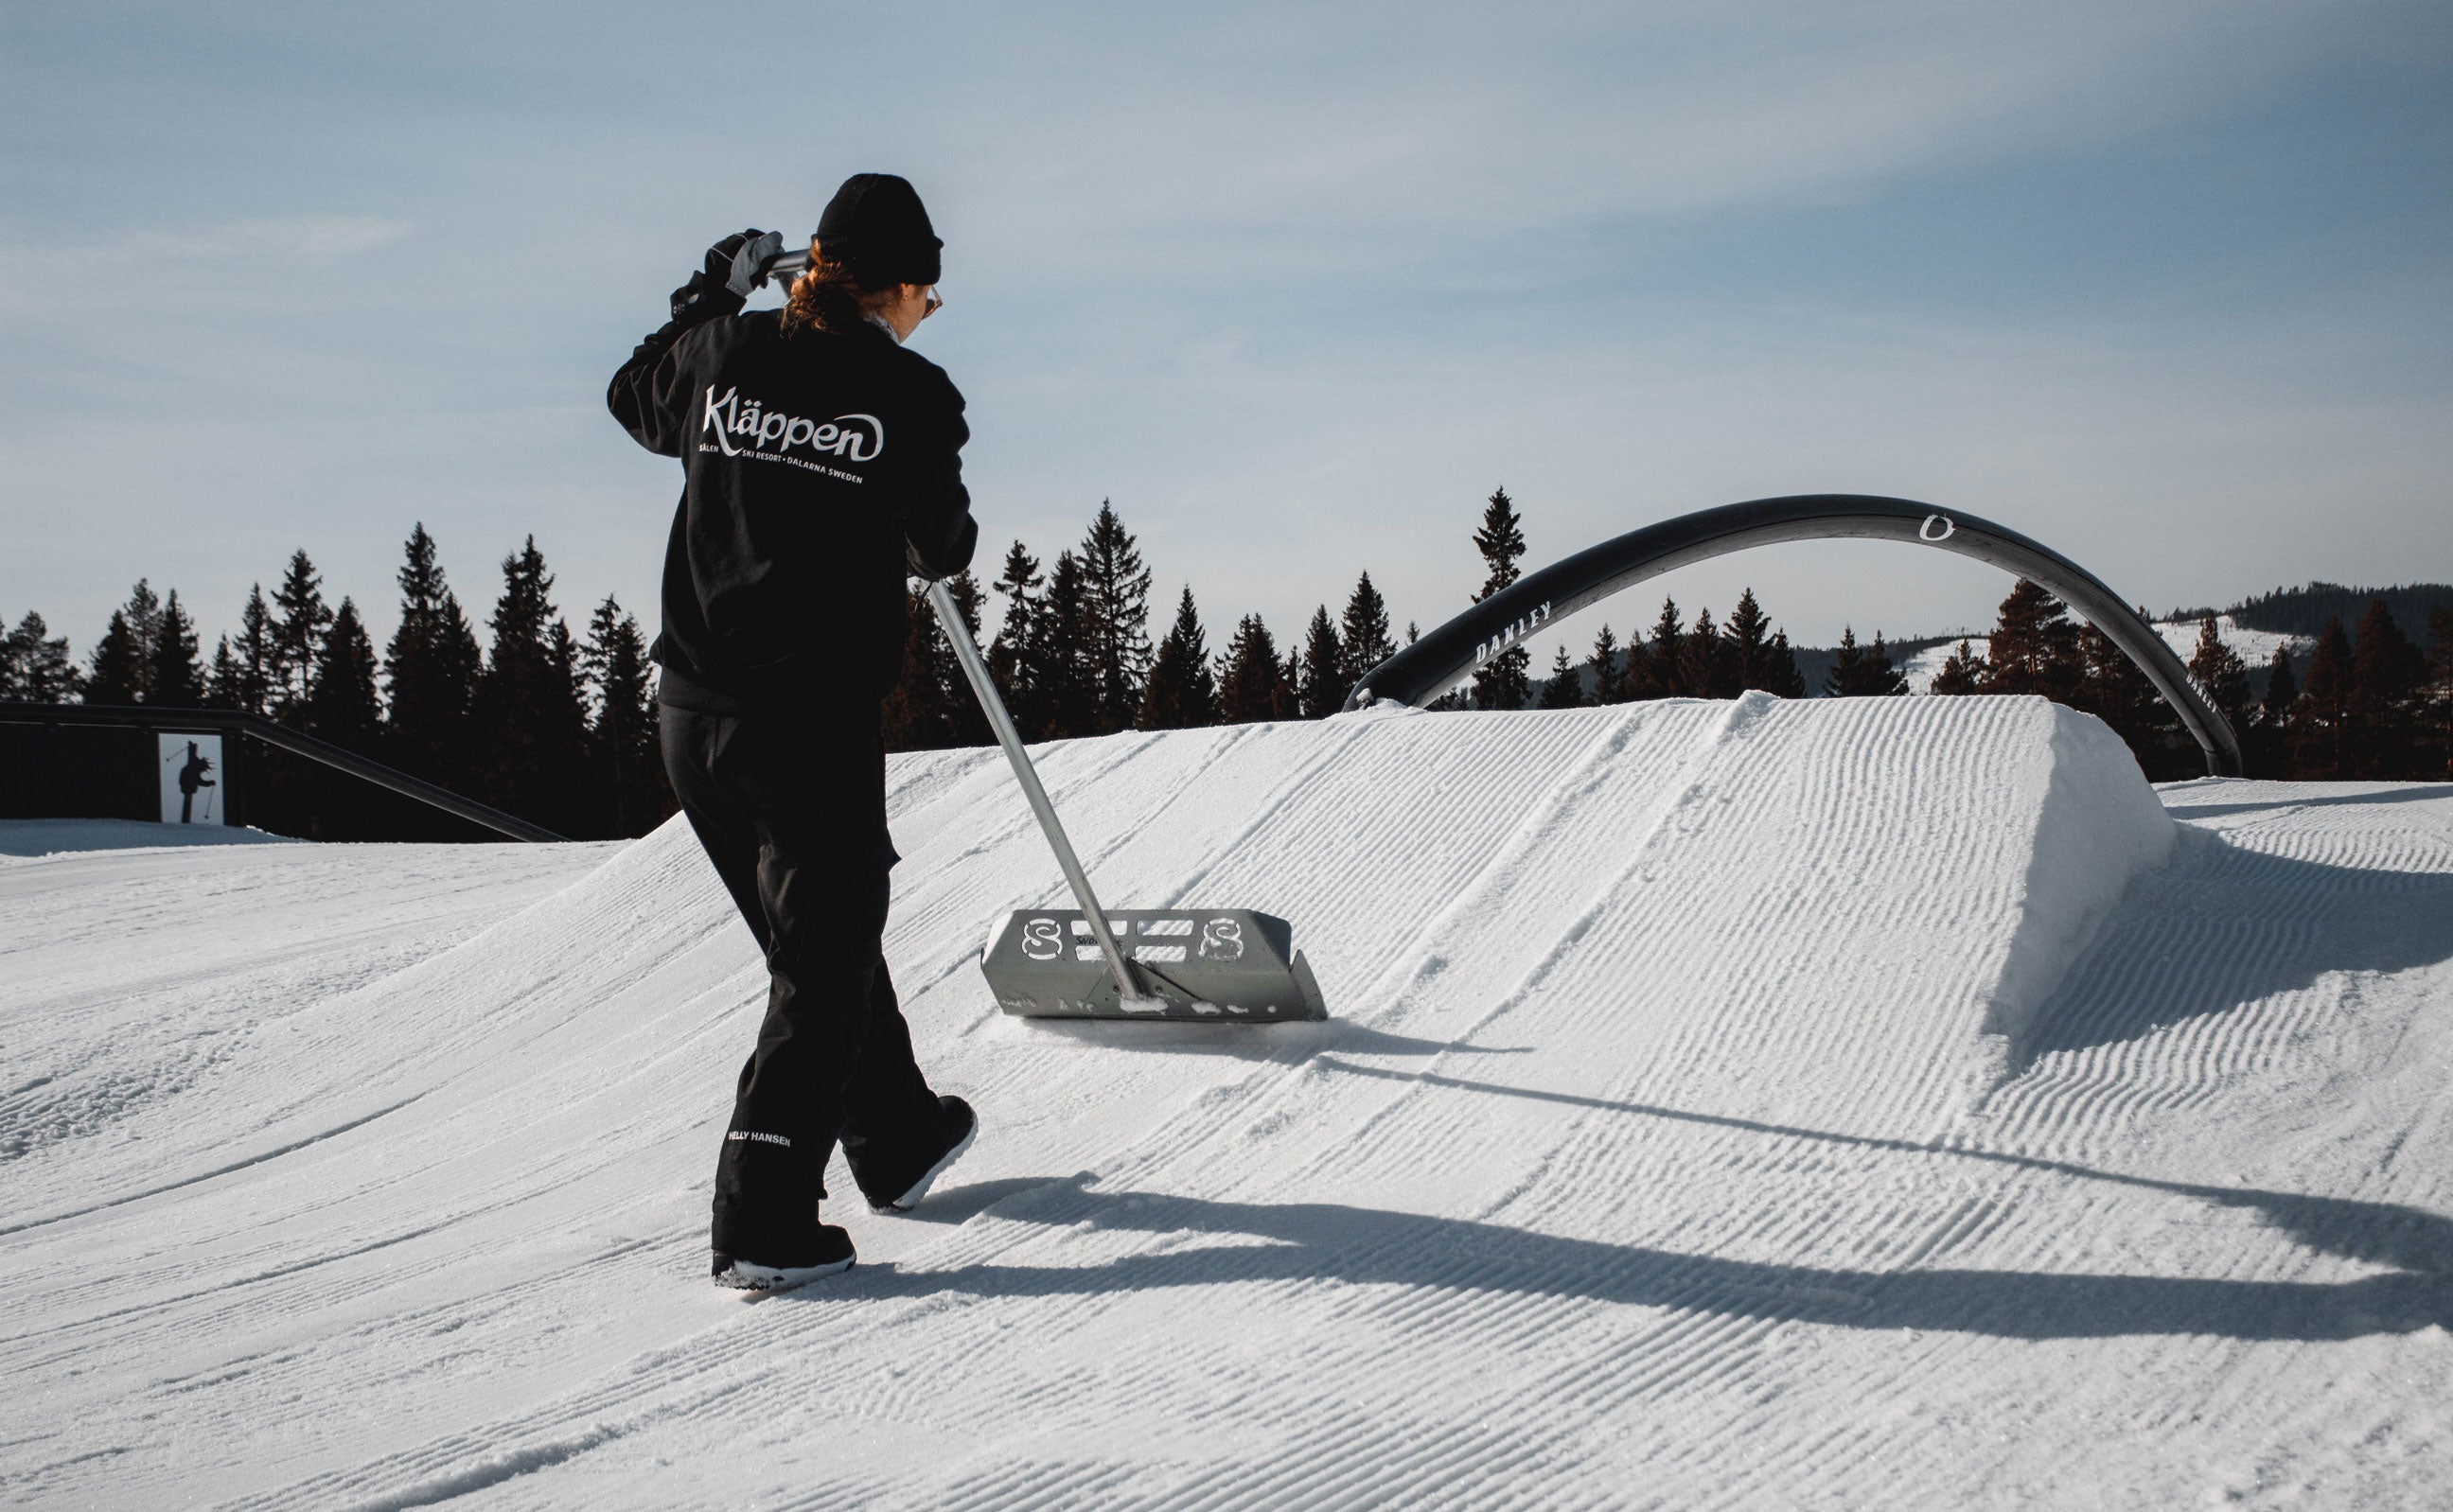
(191, 767)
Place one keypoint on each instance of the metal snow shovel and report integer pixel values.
(1213, 964)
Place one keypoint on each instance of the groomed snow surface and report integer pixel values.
(1845, 1102)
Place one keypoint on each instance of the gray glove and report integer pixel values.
(749, 263)
(912, 563)
(708, 294)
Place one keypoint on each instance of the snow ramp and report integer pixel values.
(1727, 1104)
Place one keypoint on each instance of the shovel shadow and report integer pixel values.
(1252, 1041)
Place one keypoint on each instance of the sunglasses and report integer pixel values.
(935, 303)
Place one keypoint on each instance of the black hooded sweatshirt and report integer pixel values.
(811, 461)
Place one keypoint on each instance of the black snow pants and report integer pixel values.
(791, 808)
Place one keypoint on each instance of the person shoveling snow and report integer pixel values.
(822, 462)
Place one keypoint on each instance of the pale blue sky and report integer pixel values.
(2164, 285)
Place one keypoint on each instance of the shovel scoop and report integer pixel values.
(1217, 965)
(1220, 963)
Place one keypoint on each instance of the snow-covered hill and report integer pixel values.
(1845, 1102)
(1924, 666)
(2254, 648)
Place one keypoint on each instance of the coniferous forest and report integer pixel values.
(560, 728)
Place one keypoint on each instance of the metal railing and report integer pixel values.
(233, 722)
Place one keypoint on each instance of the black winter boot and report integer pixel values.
(894, 1185)
(826, 1253)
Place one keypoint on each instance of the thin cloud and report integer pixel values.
(309, 240)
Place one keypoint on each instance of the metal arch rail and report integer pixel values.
(1449, 654)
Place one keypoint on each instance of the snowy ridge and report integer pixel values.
(2254, 648)
(1727, 1104)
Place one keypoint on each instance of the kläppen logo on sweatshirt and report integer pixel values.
(740, 425)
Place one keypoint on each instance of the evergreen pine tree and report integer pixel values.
(1012, 657)
(2034, 648)
(967, 724)
(430, 670)
(1883, 680)
(916, 715)
(1563, 689)
(173, 678)
(342, 707)
(13, 670)
(1364, 639)
(34, 665)
(530, 719)
(567, 705)
(1781, 677)
(1322, 687)
(1064, 673)
(2221, 674)
(222, 681)
(255, 654)
(2265, 749)
(2388, 674)
(1965, 672)
(1501, 683)
(2281, 690)
(1863, 671)
(1182, 692)
(123, 659)
(299, 621)
(1847, 667)
(2320, 718)
(1663, 657)
(1746, 643)
(1252, 685)
(932, 706)
(622, 739)
(1609, 676)
(117, 675)
(1705, 668)
(2438, 706)
(1116, 589)
(2114, 690)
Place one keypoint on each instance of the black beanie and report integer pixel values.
(876, 226)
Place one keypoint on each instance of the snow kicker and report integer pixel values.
(1731, 1103)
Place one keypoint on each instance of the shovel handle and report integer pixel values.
(976, 671)
(785, 266)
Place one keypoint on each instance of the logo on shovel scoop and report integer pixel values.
(1042, 940)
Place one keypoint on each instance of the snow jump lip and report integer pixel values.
(1447, 655)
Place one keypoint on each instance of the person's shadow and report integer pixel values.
(2229, 925)
(1337, 1240)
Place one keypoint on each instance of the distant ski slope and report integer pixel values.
(1847, 1102)
(2254, 648)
